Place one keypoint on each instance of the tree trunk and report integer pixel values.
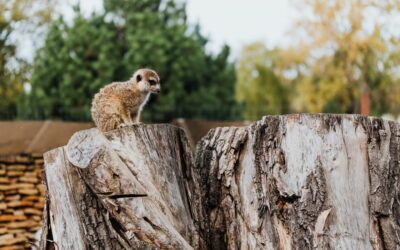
(302, 182)
(365, 99)
(285, 182)
(128, 189)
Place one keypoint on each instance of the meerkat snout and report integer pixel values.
(154, 85)
(147, 81)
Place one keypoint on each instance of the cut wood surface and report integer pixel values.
(285, 182)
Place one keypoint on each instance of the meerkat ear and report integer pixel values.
(138, 78)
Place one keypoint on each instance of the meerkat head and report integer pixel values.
(147, 80)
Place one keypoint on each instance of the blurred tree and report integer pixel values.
(349, 52)
(73, 64)
(260, 84)
(16, 16)
(77, 60)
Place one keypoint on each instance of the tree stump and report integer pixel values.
(285, 182)
(302, 182)
(131, 188)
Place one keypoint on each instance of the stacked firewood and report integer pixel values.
(21, 200)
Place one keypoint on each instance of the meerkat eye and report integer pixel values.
(138, 78)
(152, 82)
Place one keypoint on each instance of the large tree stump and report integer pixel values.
(131, 188)
(285, 182)
(302, 182)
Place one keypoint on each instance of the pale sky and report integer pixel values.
(238, 22)
(235, 22)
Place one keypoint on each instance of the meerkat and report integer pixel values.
(119, 104)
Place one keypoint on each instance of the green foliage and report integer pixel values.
(73, 64)
(259, 84)
(79, 59)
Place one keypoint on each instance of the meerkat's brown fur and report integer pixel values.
(120, 103)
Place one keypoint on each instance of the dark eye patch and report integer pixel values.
(152, 82)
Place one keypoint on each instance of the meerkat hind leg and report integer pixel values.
(111, 124)
(126, 121)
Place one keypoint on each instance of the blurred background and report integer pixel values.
(218, 60)
(221, 62)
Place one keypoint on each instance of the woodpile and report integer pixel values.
(21, 200)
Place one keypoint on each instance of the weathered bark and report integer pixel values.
(302, 182)
(285, 182)
(132, 188)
